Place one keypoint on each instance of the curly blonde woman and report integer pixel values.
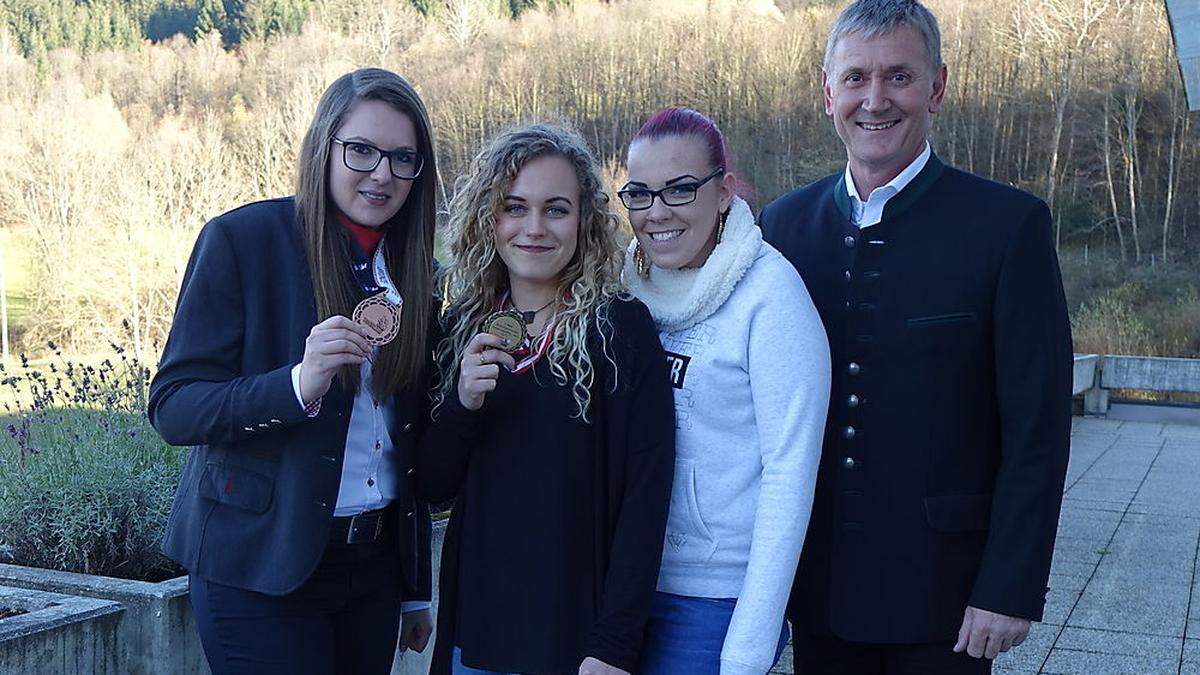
(554, 431)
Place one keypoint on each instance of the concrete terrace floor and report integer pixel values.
(1124, 590)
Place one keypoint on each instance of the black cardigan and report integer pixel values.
(949, 425)
(629, 465)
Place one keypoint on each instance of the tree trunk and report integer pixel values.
(1060, 112)
(1166, 225)
(1110, 183)
(1131, 164)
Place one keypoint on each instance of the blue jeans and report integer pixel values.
(685, 635)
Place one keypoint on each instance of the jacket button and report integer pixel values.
(329, 458)
(321, 503)
(849, 241)
(848, 432)
(848, 462)
(847, 275)
(370, 482)
(853, 368)
(247, 428)
(410, 472)
(409, 514)
(408, 427)
(852, 400)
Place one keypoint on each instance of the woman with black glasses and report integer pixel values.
(749, 364)
(297, 367)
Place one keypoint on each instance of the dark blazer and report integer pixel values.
(256, 498)
(949, 426)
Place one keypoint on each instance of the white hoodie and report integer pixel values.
(750, 365)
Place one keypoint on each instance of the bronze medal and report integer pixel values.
(380, 317)
(508, 326)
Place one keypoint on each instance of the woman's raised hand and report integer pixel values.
(331, 344)
(480, 368)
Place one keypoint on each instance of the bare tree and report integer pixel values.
(1110, 181)
(1069, 28)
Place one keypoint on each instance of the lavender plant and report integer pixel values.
(85, 481)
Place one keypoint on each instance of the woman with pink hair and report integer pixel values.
(749, 363)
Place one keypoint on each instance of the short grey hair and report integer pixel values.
(873, 18)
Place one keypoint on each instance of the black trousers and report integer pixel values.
(344, 619)
(828, 655)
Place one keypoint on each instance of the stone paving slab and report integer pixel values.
(1191, 658)
(1123, 582)
(1124, 593)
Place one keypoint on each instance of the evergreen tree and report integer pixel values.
(210, 16)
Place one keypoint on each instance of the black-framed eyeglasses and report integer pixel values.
(364, 157)
(678, 194)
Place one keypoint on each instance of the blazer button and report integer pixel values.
(370, 482)
(853, 368)
(247, 428)
(848, 433)
(321, 503)
(409, 514)
(848, 462)
(408, 427)
(410, 472)
(852, 401)
(849, 241)
(847, 275)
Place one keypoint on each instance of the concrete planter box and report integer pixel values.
(155, 633)
(59, 634)
(152, 624)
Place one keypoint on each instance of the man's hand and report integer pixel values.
(415, 629)
(594, 666)
(989, 634)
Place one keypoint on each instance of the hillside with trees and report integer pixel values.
(134, 122)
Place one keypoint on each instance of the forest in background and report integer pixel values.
(118, 142)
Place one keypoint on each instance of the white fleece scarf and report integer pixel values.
(679, 299)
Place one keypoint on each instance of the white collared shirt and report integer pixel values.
(870, 213)
(369, 474)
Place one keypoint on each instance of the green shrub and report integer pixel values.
(85, 482)
(1110, 325)
(1128, 308)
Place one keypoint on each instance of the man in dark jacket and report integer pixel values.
(947, 439)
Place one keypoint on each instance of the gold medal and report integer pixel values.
(508, 326)
(380, 317)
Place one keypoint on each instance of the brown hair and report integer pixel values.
(408, 244)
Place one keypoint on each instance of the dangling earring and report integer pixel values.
(639, 262)
(721, 225)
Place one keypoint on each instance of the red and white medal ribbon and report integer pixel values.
(380, 271)
(543, 344)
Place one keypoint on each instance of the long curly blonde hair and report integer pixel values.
(475, 277)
